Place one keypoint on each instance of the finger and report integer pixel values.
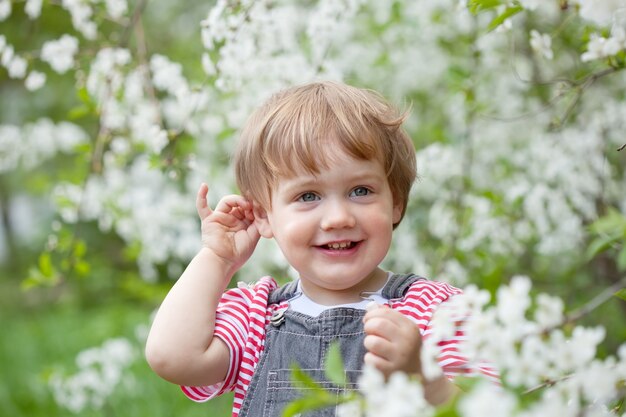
(377, 310)
(244, 214)
(239, 213)
(379, 363)
(230, 202)
(382, 327)
(380, 347)
(386, 313)
(202, 206)
(372, 305)
(250, 214)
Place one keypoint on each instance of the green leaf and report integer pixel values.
(621, 294)
(510, 11)
(80, 248)
(447, 410)
(315, 397)
(310, 402)
(45, 264)
(476, 6)
(333, 365)
(36, 278)
(600, 244)
(82, 268)
(303, 380)
(612, 222)
(621, 259)
(465, 383)
(83, 95)
(78, 112)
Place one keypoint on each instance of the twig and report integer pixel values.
(591, 305)
(594, 303)
(580, 86)
(141, 5)
(459, 192)
(545, 384)
(142, 54)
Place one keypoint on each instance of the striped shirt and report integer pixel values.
(243, 314)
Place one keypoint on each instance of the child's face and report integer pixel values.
(335, 227)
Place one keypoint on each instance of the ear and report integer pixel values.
(397, 213)
(261, 221)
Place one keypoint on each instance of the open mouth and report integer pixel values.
(339, 245)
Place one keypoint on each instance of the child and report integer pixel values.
(325, 170)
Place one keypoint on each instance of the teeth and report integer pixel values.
(341, 245)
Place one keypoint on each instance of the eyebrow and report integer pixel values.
(309, 180)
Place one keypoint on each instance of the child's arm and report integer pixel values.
(181, 347)
(393, 343)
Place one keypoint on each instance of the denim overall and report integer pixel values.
(293, 337)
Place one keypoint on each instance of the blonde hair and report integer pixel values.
(291, 131)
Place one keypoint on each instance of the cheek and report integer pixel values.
(289, 230)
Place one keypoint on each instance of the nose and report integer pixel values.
(337, 215)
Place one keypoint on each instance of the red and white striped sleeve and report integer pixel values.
(419, 304)
(235, 325)
(421, 300)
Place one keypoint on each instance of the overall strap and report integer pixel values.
(398, 285)
(283, 293)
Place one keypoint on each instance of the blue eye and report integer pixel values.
(308, 197)
(360, 192)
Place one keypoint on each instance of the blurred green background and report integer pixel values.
(56, 304)
(44, 328)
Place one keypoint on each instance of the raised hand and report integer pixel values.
(393, 342)
(228, 230)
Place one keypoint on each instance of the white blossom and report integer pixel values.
(595, 48)
(488, 185)
(35, 80)
(528, 368)
(5, 9)
(106, 76)
(541, 43)
(156, 139)
(17, 67)
(168, 75)
(32, 8)
(35, 142)
(600, 12)
(549, 311)
(598, 381)
(530, 4)
(116, 8)
(577, 351)
(100, 371)
(10, 147)
(7, 55)
(60, 53)
(399, 396)
(485, 400)
(349, 409)
(208, 65)
(81, 13)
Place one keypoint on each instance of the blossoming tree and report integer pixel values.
(518, 115)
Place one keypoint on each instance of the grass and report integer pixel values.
(35, 343)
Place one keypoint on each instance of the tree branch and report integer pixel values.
(595, 302)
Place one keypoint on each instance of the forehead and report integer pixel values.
(317, 156)
(339, 167)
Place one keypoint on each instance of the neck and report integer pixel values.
(329, 296)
